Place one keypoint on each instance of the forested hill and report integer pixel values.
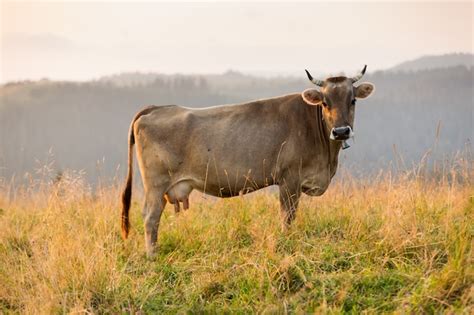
(436, 62)
(85, 125)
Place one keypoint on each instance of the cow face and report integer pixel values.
(338, 96)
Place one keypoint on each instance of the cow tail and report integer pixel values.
(127, 192)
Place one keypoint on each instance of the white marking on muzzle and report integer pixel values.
(351, 133)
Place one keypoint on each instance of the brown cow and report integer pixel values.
(292, 141)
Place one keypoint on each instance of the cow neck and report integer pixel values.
(322, 136)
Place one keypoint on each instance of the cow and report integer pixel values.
(292, 141)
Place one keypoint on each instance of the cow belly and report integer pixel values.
(180, 191)
(229, 188)
(224, 175)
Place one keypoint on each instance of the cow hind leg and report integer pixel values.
(154, 205)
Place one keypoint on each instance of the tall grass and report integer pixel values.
(389, 243)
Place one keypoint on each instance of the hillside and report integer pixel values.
(84, 126)
(436, 61)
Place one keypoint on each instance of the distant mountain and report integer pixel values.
(138, 78)
(436, 62)
(230, 83)
(236, 79)
(131, 78)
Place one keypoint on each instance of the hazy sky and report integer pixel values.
(84, 40)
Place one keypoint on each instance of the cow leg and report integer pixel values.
(289, 197)
(154, 205)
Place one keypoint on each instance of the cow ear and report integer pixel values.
(312, 96)
(364, 90)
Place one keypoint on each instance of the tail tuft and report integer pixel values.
(126, 200)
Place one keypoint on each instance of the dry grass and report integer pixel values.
(387, 244)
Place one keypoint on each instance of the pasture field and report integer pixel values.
(382, 244)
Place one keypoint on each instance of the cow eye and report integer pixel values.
(353, 102)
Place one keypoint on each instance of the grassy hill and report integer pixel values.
(383, 244)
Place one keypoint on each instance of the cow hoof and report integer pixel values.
(151, 255)
(285, 227)
(151, 252)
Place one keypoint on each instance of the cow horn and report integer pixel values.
(317, 82)
(359, 76)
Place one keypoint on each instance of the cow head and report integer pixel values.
(337, 96)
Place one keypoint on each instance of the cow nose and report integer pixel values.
(341, 133)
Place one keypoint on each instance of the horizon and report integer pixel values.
(65, 41)
(256, 73)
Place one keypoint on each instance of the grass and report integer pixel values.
(385, 244)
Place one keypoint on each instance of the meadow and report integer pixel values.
(393, 242)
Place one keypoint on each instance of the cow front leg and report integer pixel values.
(289, 197)
(154, 205)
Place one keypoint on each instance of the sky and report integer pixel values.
(86, 40)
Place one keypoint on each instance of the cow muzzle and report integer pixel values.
(341, 133)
